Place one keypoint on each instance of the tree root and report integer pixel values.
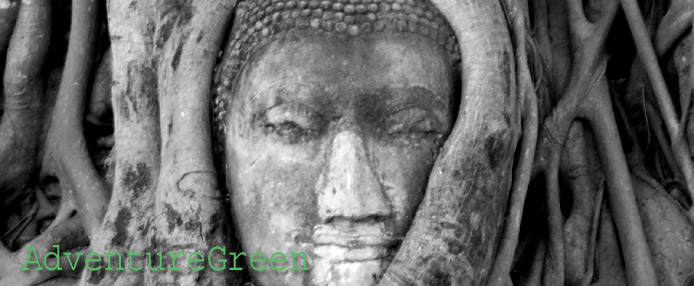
(534, 277)
(591, 260)
(8, 16)
(639, 266)
(66, 154)
(648, 58)
(187, 189)
(28, 227)
(136, 119)
(609, 267)
(21, 124)
(554, 272)
(521, 177)
(580, 168)
(594, 105)
(100, 109)
(66, 230)
(656, 124)
(676, 21)
(669, 231)
(62, 233)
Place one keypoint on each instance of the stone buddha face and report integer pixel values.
(330, 140)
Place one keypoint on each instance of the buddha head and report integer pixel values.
(329, 117)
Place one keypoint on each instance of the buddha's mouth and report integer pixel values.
(359, 242)
(340, 253)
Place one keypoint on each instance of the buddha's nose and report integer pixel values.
(348, 187)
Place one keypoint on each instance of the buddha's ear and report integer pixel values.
(453, 238)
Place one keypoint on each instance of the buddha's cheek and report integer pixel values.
(405, 171)
(273, 202)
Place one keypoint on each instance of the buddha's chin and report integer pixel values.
(327, 272)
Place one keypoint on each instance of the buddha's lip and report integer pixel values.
(354, 254)
(359, 236)
(353, 240)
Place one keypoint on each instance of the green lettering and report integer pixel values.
(259, 260)
(305, 259)
(56, 254)
(273, 260)
(191, 259)
(88, 259)
(130, 255)
(120, 261)
(175, 255)
(69, 260)
(236, 256)
(223, 261)
(149, 262)
(35, 261)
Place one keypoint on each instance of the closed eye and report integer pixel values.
(413, 120)
(293, 120)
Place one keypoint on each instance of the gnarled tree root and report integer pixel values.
(595, 106)
(22, 122)
(521, 178)
(66, 150)
(137, 158)
(650, 61)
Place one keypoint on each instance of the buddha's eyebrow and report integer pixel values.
(281, 90)
(314, 95)
(418, 96)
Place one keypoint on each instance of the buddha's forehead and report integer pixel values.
(258, 22)
(383, 64)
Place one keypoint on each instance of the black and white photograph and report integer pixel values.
(347, 142)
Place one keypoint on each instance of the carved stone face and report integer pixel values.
(329, 148)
